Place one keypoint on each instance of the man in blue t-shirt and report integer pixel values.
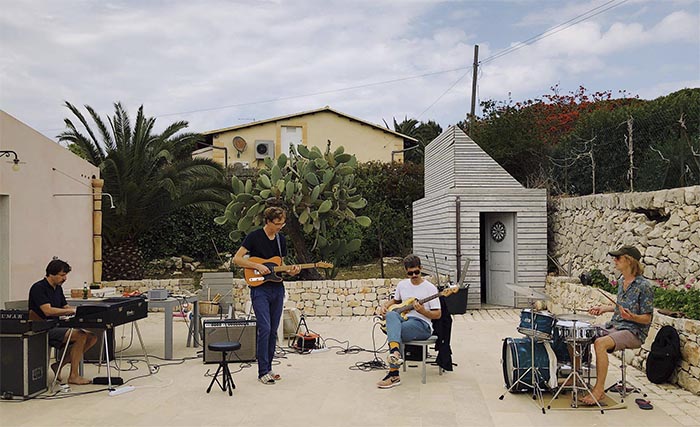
(46, 300)
(268, 297)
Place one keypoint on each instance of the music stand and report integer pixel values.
(535, 375)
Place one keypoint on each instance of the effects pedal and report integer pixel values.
(105, 380)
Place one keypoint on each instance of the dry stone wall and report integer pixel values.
(664, 225)
(314, 298)
(329, 297)
(567, 294)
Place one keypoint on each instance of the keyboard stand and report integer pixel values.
(105, 349)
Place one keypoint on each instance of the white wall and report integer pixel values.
(38, 225)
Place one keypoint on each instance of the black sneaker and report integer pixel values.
(391, 379)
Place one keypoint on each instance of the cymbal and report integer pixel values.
(527, 292)
(578, 317)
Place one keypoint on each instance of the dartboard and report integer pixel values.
(498, 231)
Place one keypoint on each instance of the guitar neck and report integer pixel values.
(289, 267)
(420, 301)
(426, 299)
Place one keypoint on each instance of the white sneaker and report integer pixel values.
(394, 358)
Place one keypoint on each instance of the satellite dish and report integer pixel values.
(239, 144)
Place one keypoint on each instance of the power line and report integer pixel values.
(534, 39)
(344, 89)
(549, 32)
(560, 27)
(554, 30)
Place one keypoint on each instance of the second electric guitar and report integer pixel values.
(254, 278)
(405, 306)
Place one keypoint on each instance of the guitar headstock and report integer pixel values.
(323, 264)
(449, 291)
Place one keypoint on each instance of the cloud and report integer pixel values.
(210, 54)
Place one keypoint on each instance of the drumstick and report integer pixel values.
(609, 299)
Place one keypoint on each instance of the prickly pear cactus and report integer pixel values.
(316, 189)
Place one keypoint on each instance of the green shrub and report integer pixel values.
(686, 301)
(188, 231)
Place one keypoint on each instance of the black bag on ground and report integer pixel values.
(664, 355)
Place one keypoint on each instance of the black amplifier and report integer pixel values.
(218, 330)
(23, 365)
(17, 322)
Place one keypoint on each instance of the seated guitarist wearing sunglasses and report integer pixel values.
(417, 325)
(267, 298)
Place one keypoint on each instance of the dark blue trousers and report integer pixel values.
(268, 303)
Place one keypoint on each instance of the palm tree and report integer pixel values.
(150, 175)
(424, 132)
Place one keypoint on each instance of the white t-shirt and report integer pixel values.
(405, 290)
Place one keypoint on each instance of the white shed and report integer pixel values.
(473, 209)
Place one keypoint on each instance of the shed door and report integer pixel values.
(500, 258)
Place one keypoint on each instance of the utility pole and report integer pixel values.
(474, 73)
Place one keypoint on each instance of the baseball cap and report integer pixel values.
(627, 250)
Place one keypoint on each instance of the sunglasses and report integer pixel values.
(413, 272)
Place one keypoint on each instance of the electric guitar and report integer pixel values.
(254, 278)
(405, 306)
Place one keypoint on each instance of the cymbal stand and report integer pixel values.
(578, 347)
(535, 375)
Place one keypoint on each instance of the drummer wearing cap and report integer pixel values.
(632, 316)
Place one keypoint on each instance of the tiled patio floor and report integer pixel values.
(325, 389)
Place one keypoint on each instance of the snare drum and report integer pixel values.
(537, 324)
(582, 332)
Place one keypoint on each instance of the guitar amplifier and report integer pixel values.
(241, 330)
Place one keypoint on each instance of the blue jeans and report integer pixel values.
(268, 303)
(400, 330)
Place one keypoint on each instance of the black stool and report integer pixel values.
(224, 347)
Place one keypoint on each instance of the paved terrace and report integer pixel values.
(320, 390)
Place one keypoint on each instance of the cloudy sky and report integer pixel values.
(218, 63)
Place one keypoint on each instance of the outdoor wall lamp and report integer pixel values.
(111, 201)
(8, 153)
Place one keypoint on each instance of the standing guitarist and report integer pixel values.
(268, 298)
(418, 322)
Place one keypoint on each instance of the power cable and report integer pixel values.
(532, 40)
(551, 31)
(325, 92)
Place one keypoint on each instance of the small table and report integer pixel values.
(168, 305)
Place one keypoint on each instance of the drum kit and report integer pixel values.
(530, 363)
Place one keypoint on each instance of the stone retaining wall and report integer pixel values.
(315, 298)
(663, 224)
(567, 294)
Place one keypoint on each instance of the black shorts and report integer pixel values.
(57, 336)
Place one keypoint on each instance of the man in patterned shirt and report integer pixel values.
(632, 316)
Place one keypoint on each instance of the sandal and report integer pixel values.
(275, 376)
(643, 404)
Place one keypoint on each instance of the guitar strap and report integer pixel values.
(279, 247)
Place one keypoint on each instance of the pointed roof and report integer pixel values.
(305, 113)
